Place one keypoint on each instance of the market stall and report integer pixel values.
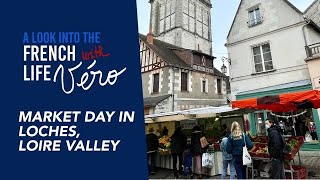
(289, 102)
(261, 159)
(188, 119)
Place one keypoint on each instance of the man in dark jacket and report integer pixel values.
(178, 144)
(275, 147)
(152, 148)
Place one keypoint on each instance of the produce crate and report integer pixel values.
(299, 172)
(295, 150)
(164, 152)
(252, 152)
(262, 154)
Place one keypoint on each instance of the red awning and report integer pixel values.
(282, 102)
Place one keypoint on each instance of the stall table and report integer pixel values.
(165, 161)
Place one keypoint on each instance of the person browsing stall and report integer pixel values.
(275, 149)
(236, 141)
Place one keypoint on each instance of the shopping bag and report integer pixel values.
(207, 160)
(246, 158)
(204, 142)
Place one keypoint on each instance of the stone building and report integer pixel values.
(175, 78)
(313, 12)
(267, 45)
(176, 58)
(184, 23)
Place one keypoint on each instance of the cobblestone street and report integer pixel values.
(310, 159)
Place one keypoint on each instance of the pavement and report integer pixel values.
(309, 159)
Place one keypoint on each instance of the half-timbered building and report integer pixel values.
(175, 78)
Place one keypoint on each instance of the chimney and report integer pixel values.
(150, 34)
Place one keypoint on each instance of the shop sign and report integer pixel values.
(203, 69)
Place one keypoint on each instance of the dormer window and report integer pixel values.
(255, 17)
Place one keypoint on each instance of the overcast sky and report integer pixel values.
(222, 13)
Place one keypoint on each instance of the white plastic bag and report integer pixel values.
(207, 160)
(246, 158)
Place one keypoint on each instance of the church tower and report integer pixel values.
(184, 23)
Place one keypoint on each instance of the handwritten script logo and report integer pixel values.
(84, 81)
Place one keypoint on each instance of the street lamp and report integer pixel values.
(224, 67)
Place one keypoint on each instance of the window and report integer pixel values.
(203, 85)
(204, 88)
(219, 85)
(262, 58)
(254, 17)
(184, 81)
(156, 83)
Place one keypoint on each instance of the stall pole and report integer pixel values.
(295, 133)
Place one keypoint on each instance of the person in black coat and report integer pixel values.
(275, 148)
(197, 149)
(152, 148)
(178, 144)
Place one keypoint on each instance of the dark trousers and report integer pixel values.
(277, 169)
(175, 157)
(152, 158)
(238, 165)
(314, 136)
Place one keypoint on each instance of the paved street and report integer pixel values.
(310, 159)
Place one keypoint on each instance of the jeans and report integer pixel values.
(152, 157)
(238, 165)
(176, 156)
(277, 169)
(225, 164)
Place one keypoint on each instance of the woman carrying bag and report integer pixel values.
(197, 149)
(237, 145)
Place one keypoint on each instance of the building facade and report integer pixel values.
(312, 12)
(184, 23)
(176, 58)
(267, 47)
(178, 79)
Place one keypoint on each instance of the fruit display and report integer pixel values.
(260, 151)
(260, 148)
(293, 143)
(164, 142)
(253, 148)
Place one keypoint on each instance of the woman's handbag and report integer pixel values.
(246, 158)
(203, 141)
